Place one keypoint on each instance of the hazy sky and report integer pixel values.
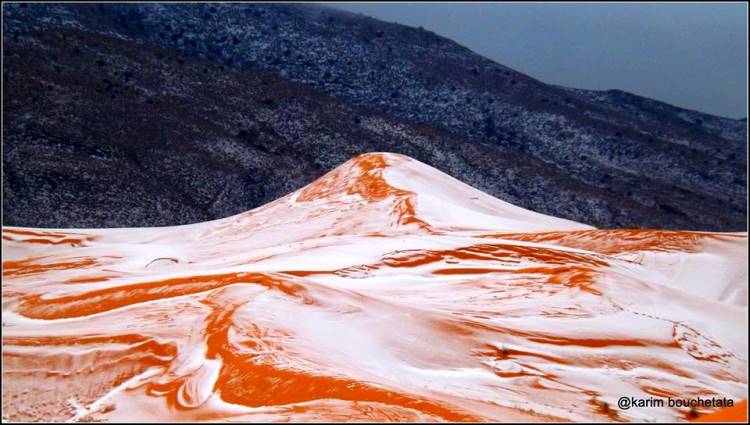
(692, 55)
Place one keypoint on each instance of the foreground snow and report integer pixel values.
(384, 291)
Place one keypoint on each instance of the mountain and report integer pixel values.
(158, 114)
(385, 290)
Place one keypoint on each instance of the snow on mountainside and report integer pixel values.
(383, 291)
(254, 100)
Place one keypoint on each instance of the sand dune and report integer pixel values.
(383, 291)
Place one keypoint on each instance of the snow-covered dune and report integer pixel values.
(383, 291)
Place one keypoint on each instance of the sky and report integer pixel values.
(692, 55)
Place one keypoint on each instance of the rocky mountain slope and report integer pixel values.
(287, 312)
(149, 114)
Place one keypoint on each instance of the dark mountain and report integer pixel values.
(149, 114)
